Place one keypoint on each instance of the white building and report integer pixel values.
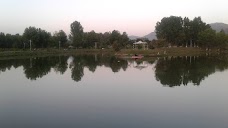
(144, 45)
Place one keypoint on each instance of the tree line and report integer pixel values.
(81, 39)
(180, 31)
(39, 39)
(77, 38)
(173, 30)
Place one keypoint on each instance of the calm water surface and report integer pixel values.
(95, 91)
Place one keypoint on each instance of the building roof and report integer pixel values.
(140, 42)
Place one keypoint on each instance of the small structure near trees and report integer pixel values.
(140, 44)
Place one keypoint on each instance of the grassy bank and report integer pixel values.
(48, 52)
(180, 51)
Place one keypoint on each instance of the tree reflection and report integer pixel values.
(62, 64)
(36, 67)
(169, 71)
(39, 67)
(77, 69)
(116, 64)
(9, 63)
(183, 70)
(92, 61)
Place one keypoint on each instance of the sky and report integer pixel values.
(136, 17)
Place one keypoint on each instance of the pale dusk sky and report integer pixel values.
(136, 17)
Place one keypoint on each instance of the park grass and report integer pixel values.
(49, 52)
(174, 51)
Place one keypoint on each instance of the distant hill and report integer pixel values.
(133, 37)
(150, 36)
(219, 26)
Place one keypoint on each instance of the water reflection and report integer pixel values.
(91, 62)
(36, 67)
(169, 71)
(183, 70)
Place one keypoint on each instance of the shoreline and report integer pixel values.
(159, 52)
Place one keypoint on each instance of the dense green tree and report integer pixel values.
(210, 39)
(160, 43)
(118, 40)
(196, 26)
(18, 41)
(11, 41)
(31, 34)
(62, 38)
(39, 37)
(58, 37)
(221, 40)
(43, 38)
(76, 35)
(53, 41)
(207, 38)
(2, 40)
(92, 37)
(116, 46)
(170, 29)
(115, 36)
(187, 31)
(104, 39)
(180, 32)
(89, 39)
(125, 39)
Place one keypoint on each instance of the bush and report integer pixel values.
(116, 46)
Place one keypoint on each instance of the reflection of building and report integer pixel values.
(140, 43)
(140, 65)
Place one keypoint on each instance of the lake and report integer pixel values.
(103, 91)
